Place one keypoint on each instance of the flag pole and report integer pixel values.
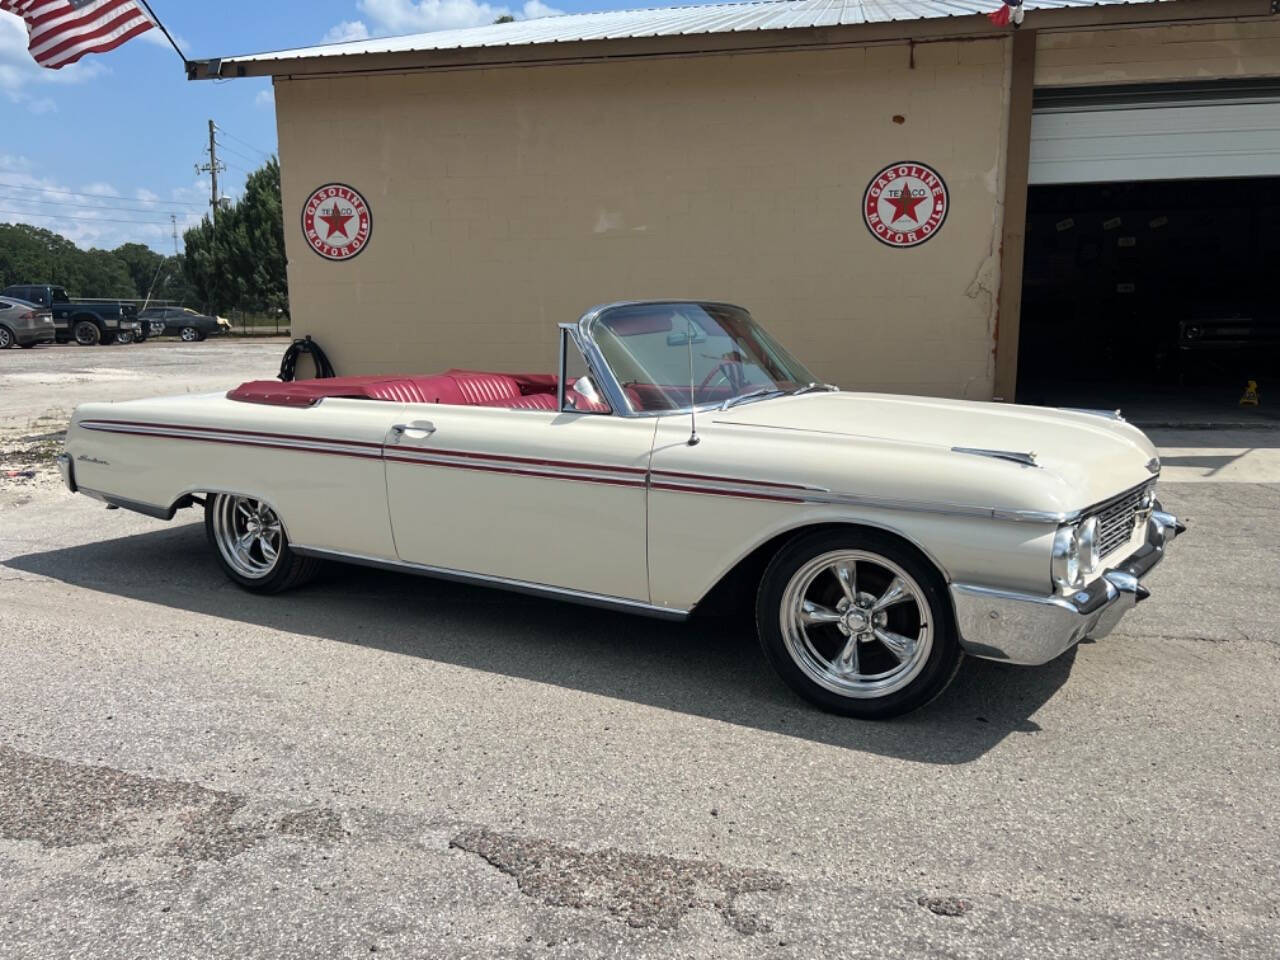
(165, 30)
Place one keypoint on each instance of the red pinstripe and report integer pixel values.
(482, 462)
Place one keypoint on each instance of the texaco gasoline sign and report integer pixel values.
(905, 204)
(336, 221)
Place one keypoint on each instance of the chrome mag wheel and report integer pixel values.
(856, 623)
(248, 534)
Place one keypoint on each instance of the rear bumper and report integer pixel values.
(1028, 629)
(35, 335)
(68, 471)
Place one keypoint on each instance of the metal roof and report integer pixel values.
(670, 22)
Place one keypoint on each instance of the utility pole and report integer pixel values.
(173, 219)
(213, 168)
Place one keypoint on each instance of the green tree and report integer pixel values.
(239, 262)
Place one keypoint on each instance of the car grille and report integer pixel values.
(1117, 518)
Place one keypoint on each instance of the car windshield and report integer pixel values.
(651, 348)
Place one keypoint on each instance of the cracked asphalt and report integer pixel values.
(382, 765)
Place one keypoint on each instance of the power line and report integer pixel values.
(59, 216)
(237, 153)
(109, 208)
(222, 129)
(92, 196)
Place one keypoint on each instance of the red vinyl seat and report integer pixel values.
(474, 388)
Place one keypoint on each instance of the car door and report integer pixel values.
(535, 496)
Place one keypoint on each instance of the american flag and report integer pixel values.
(60, 32)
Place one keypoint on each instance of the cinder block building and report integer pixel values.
(911, 197)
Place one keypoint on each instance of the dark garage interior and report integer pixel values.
(1151, 291)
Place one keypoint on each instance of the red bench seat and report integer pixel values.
(473, 388)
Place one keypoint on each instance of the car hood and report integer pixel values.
(1094, 457)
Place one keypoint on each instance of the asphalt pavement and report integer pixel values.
(383, 765)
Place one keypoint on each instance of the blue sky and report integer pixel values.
(105, 150)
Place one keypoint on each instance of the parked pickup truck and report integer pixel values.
(87, 322)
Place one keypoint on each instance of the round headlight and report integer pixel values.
(1087, 541)
(1066, 558)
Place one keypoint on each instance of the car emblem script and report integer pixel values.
(905, 204)
(337, 222)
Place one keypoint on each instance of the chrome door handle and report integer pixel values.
(417, 430)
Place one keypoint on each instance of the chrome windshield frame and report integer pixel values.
(600, 366)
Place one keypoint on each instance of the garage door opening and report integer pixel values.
(1133, 290)
(1152, 245)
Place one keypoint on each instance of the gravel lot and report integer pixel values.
(382, 764)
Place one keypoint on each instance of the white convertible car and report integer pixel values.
(678, 451)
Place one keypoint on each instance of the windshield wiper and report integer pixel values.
(811, 387)
(753, 395)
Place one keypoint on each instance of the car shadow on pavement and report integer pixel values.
(707, 667)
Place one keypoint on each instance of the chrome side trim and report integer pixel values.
(504, 583)
(1105, 414)
(1026, 459)
(137, 506)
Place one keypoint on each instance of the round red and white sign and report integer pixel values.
(905, 204)
(336, 221)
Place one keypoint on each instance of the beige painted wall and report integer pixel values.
(506, 201)
(1154, 54)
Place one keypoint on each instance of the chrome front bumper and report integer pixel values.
(1028, 629)
(68, 471)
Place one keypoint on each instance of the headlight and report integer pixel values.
(1075, 553)
(1066, 559)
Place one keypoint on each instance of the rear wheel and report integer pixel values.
(6, 338)
(858, 623)
(251, 545)
(87, 333)
(124, 336)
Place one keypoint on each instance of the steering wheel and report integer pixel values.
(731, 368)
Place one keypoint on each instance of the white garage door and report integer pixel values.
(1170, 133)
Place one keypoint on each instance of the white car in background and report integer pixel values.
(677, 450)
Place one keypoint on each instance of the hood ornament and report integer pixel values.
(1013, 456)
(1153, 465)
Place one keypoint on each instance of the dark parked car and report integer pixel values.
(182, 322)
(1242, 344)
(24, 323)
(87, 322)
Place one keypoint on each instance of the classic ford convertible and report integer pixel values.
(678, 454)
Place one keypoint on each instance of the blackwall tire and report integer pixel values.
(190, 335)
(86, 333)
(251, 546)
(858, 623)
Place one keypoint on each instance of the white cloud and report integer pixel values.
(420, 16)
(345, 31)
(265, 98)
(87, 222)
(19, 73)
(156, 38)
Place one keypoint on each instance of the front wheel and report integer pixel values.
(124, 336)
(251, 545)
(190, 335)
(858, 623)
(87, 333)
